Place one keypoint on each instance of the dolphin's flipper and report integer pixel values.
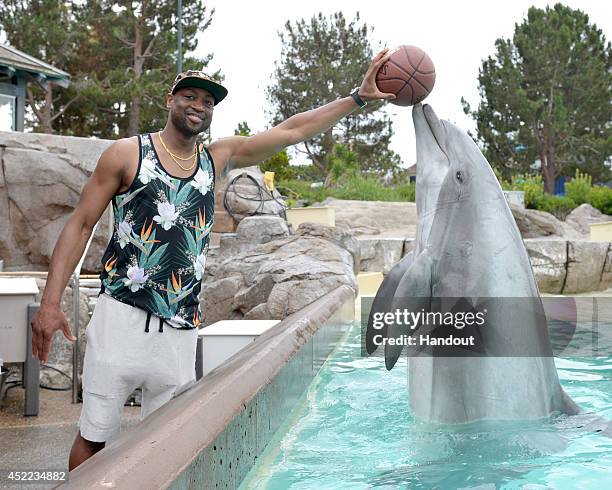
(383, 300)
(413, 294)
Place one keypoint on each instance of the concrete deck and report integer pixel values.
(42, 442)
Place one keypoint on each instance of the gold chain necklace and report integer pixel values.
(175, 157)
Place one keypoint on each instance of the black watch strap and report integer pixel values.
(358, 100)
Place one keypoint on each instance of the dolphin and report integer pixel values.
(468, 246)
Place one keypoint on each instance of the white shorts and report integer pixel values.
(120, 357)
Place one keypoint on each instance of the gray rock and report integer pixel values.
(252, 231)
(606, 273)
(533, 224)
(255, 295)
(584, 216)
(276, 279)
(380, 253)
(260, 312)
(217, 298)
(340, 237)
(548, 261)
(585, 266)
(54, 379)
(42, 176)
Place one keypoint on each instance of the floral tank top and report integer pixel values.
(156, 257)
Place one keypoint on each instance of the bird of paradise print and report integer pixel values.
(109, 267)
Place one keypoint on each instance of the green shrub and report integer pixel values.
(559, 206)
(363, 189)
(302, 190)
(354, 187)
(279, 164)
(600, 197)
(407, 191)
(578, 188)
(531, 185)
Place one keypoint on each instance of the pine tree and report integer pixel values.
(545, 95)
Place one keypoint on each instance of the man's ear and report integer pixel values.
(169, 100)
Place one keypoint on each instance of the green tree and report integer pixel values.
(324, 59)
(545, 95)
(121, 55)
(243, 129)
(45, 29)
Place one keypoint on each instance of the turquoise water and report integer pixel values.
(353, 430)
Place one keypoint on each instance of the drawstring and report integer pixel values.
(161, 323)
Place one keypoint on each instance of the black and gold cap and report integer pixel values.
(199, 79)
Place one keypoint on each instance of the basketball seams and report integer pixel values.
(399, 67)
(412, 76)
(414, 67)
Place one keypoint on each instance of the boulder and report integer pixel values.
(533, 224)
(246, 195)
(252, 231)
(585, 266)
(42, 177)
(275, 279)
(584, 216)
(340, 237)
(548, 262)
(380, 253)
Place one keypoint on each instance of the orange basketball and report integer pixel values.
(409, 74)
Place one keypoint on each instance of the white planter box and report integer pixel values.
(16, 293)
(223, 339)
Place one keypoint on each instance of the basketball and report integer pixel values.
(409, 74)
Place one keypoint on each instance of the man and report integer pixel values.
(162, 189)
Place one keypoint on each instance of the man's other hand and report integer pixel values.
(47, 320)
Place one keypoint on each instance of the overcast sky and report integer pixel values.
(457, 35)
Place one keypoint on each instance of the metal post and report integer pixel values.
(31, 370)
(179, 35)
(199, 367)
(75, 321)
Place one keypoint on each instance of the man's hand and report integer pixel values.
(368, 89)
(47, 320)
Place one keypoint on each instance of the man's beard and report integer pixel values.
(181, 125)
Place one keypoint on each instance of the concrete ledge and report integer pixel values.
(210, 436)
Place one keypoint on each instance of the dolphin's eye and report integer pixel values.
(459, 176)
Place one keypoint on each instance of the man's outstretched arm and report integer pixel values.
(240, 151)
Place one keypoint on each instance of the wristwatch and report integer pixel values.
(358, 100)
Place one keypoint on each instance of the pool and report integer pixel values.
(352, 430)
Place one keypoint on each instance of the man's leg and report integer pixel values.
(82, 449)
(107, 376)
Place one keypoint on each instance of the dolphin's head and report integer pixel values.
(449, 165)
